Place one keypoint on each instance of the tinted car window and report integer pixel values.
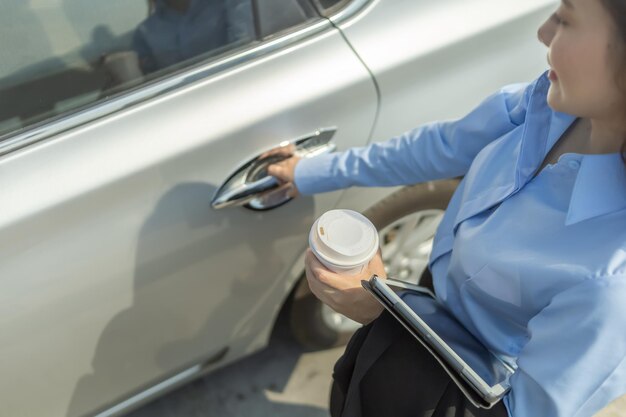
(178, 30)
(57, 57)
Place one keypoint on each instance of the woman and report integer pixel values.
(531, 253)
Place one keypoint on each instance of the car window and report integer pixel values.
(58, 56)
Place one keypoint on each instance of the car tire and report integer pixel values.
(314, 325)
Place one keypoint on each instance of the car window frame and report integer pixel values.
(183, 77)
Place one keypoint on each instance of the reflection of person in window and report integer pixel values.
(180, 29)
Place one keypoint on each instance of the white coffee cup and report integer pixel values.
(123, 66)
(344, 241)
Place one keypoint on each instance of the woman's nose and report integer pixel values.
(546, 32)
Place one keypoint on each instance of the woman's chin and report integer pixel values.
(555, 100)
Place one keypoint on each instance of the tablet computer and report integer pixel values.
(481, 376)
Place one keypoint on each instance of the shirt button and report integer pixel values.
(574, 164)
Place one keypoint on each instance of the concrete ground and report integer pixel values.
(281, 381)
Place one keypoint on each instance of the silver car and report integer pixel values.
(141, 242)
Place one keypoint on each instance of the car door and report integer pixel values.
(117, 274)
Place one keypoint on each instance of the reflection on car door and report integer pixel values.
(116, 272)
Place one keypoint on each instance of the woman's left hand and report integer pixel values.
(344, 293)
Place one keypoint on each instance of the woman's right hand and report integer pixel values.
(344, 293)
(284, 171)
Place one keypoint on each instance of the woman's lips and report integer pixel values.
(552, 76)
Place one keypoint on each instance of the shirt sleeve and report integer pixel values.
(574, 362)
(430, 152)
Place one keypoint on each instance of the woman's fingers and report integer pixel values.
(315, 272)
(326, 278)
(343, 293)
(280, 170)
(316, 275)
(284, 169)
(292, 190)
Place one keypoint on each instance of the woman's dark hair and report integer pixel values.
(617, 9)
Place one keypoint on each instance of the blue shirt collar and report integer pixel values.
(600, 186)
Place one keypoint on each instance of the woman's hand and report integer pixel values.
(284, 171)
(344, 293)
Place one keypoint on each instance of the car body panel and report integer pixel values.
(117, 273)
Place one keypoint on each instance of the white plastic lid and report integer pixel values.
(344, 238)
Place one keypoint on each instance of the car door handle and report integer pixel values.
(252, 187)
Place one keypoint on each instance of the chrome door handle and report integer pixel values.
(250, 185)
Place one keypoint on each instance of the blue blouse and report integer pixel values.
(533, 265)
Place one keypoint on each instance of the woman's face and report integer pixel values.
(583, 52)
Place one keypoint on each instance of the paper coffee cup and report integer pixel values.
(123, 66)
(344, 241)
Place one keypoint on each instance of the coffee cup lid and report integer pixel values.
(344, 238)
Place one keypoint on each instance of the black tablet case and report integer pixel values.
(466, 388)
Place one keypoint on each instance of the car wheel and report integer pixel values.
(406, 221)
